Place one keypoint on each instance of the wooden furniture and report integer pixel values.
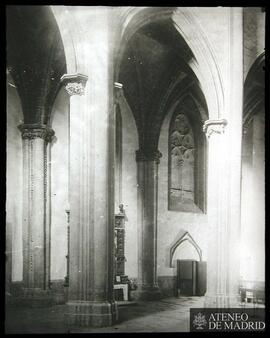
(191, 278)
(121, 280)
(119, 243)
(124, 288)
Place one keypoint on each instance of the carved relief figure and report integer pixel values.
(182, 161)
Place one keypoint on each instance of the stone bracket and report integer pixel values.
(214, 126)
(74, 83)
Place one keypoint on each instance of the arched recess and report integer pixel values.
(203, 63)
(183, 238)
(253, 175)
(187, 161)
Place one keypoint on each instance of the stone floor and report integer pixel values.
(166, 315)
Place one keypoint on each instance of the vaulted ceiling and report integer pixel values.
(154, 68)
(154, 71)
(35, 59)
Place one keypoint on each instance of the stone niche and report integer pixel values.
(186, 160)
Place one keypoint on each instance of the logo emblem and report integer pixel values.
(199, 321)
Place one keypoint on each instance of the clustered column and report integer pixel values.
(224, 178)
(90, 294)
(35, 225)
(220, 283)
(147, 183)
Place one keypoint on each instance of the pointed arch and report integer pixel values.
(203, 64)
(184, 237)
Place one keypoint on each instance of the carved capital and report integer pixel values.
(33, 131)
(74, 83)
(142, 156)
(214, 126)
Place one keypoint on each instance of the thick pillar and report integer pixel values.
(90, 295)
(223, 253)
(224, 179)
(35, 225)
(218, 263)
(147, 182)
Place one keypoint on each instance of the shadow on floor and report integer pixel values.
(142, 309)
(19, 319)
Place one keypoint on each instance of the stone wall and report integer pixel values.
(171, 224)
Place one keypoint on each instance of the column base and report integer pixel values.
(34, 297)
(222, 301)
(147, 293)
(94, 314)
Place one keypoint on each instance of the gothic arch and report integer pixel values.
(185, 237)
(204, 64)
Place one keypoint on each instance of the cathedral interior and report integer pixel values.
(135, 164)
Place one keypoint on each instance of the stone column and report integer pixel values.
(35, 230)
(221, 243)
(224, 178)
(147, 182)
(90, 295)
